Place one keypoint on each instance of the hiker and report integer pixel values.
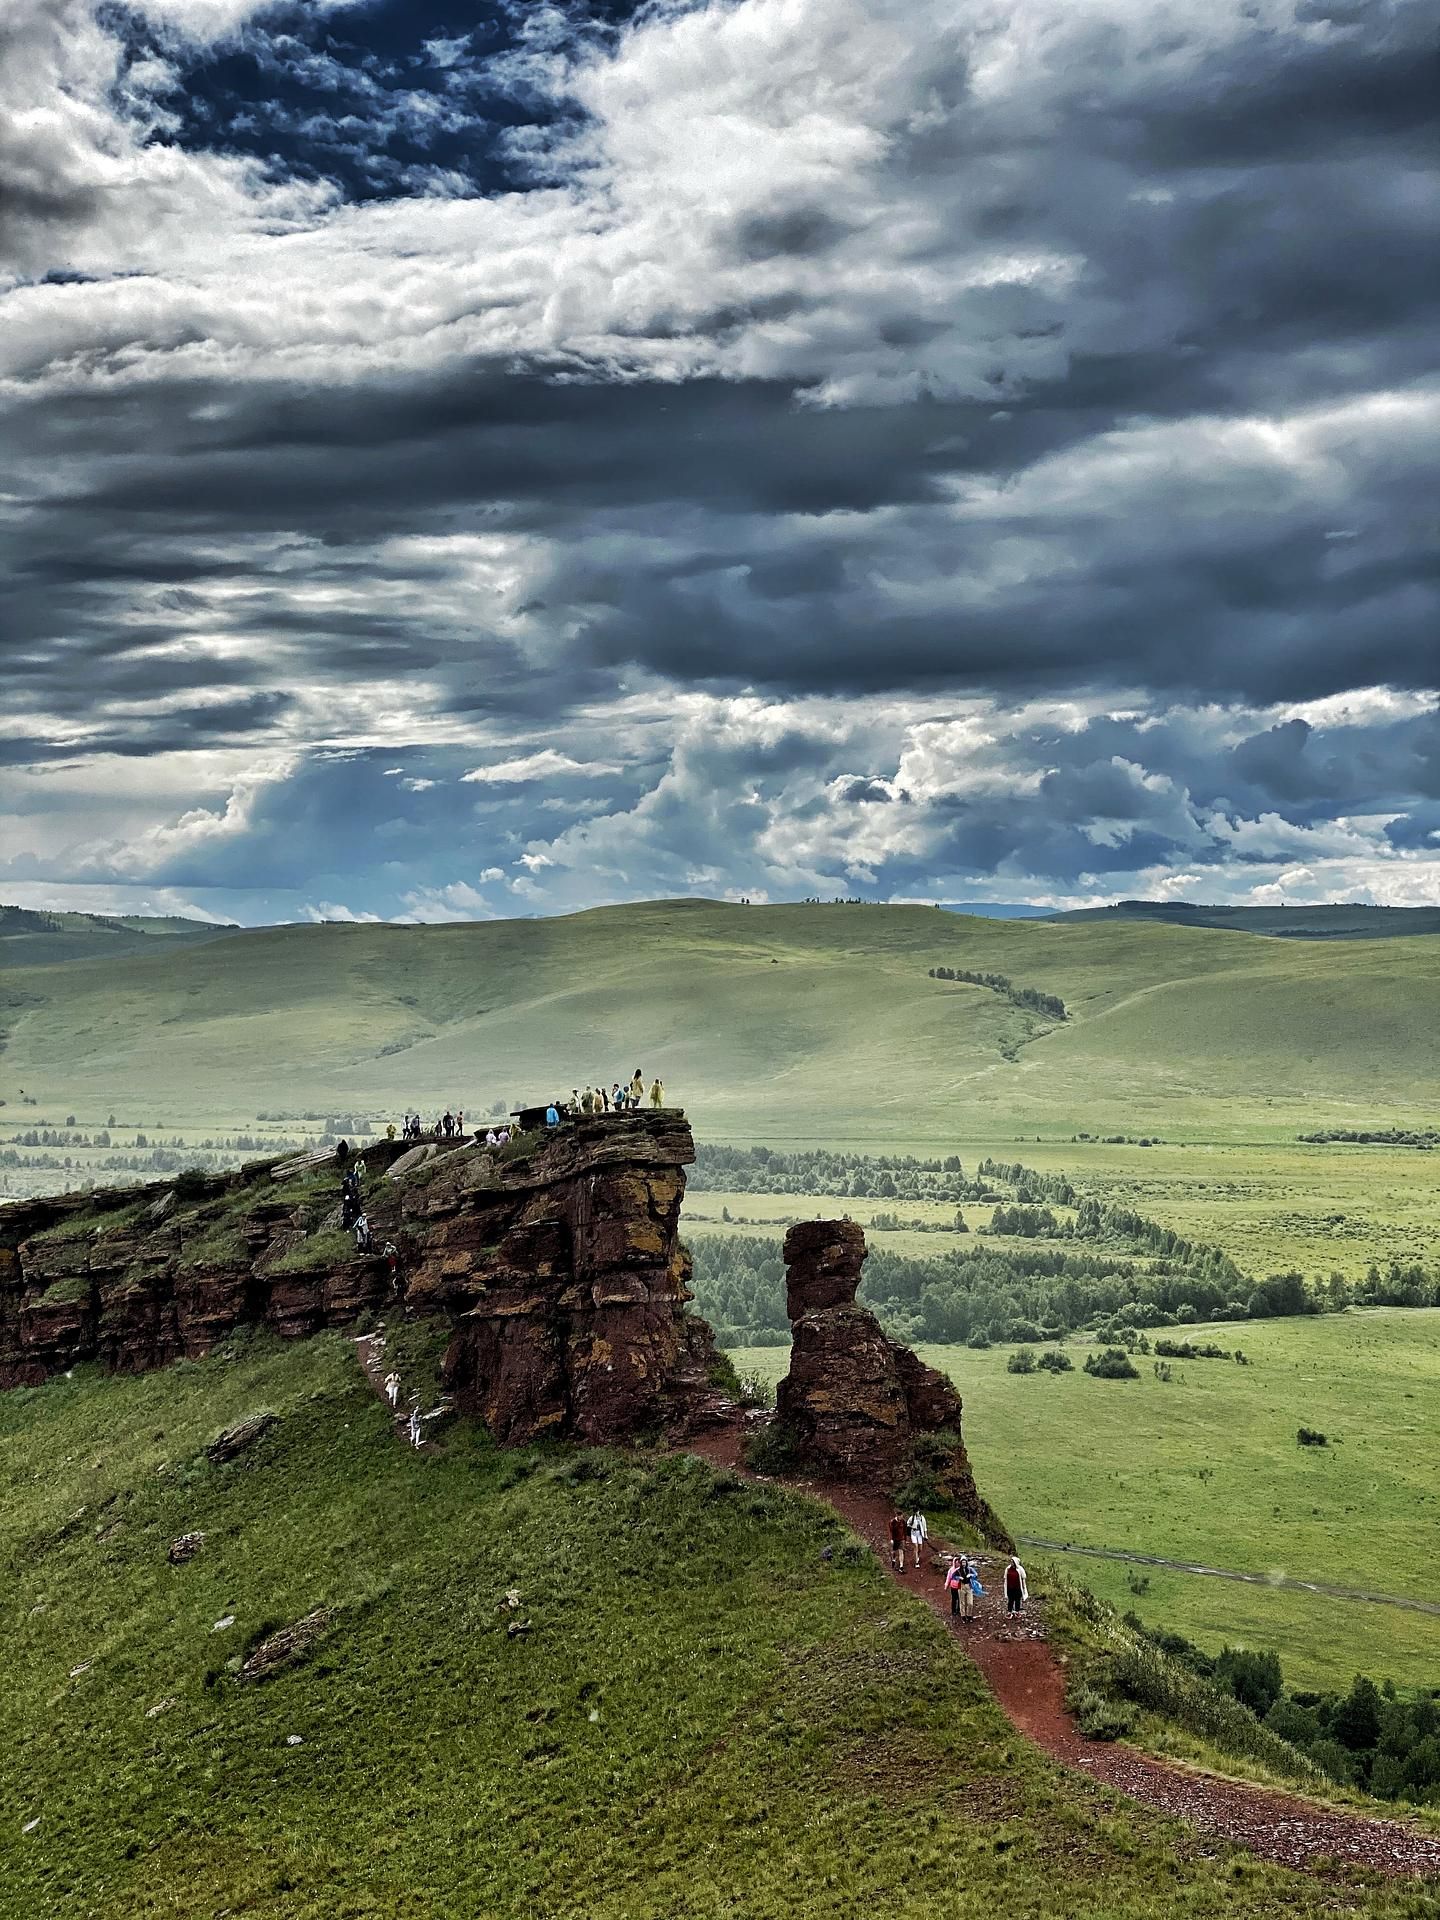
(919, 1534)
(617, 1098)
(552, 1115)
(955, 1583)
(362, 1235)
(392, 1266)
(392, 1386)
(973, 1588)
(602, 1099)
(342, 1153)
(897, 1541)
(587, 1100)
(657, 1093)
(416, 1436)
(637, 1089)
(390, 1131)
(357, 1173)
(459, 1124)
(1017, 1591)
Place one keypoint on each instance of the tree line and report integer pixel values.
(1049, 1005)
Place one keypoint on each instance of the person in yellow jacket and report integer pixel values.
(637, 1089)
(657, 1093)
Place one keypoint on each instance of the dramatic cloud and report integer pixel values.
(914, 447)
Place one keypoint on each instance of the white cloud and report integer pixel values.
(547, 764)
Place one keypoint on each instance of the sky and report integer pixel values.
(459, 461)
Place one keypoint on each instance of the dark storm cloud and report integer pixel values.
(1089, 360)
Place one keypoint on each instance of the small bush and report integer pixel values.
(1112, 1364)
(1308, 1437)
(1021, 1361)
(755, 1391)
(771, 1449)
(1099, 1718)
(1055, 1362)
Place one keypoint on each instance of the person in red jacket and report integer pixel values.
(897, 1541)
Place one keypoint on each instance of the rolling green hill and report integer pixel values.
(702, 1716)
(795, 1022)
(31, 938)
(1330, 922)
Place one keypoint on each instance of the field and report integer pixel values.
(703, 1717)
(1205, 1468)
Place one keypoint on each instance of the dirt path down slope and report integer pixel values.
(1015, 1657)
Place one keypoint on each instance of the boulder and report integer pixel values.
(287, 1647)
(239, 1439)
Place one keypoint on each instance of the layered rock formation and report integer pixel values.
(557, 1259)
(857, 1406)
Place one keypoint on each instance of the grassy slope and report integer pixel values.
(705, 1719)
(1118, 1464)
(1333, 922)
(784, 1023)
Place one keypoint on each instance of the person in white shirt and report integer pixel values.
(919, 1534)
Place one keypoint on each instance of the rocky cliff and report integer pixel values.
(557, 1260)
(858, 1407)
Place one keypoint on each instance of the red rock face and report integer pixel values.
(861, 1408)
(559, 1264)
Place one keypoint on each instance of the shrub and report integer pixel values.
(1146, 1677)
(1253, 1678)
(1112, 1364)
(1308, 1437)
(1021, 1361)
(1099, 1718)
(1055, 1362)
(770, 1449)
(755, 1391)
(978, 1340)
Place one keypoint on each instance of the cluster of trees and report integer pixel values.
(1024, 1223)
(815, 1171)
(1027, 1184)
(1369, 1737)
(981, 1294)
(1048, 1005)
(1423, 1137)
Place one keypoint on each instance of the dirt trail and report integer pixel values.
(1227, 1573)
(1015, 1657)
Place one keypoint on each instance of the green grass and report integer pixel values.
(1205, 1468)
(704, 1719)
(782, 1023)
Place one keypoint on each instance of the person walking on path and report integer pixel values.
(897, 1541)
(919, 1534)
(1017, 1591)
(973, 1588)
(955, 1584)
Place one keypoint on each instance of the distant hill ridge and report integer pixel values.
(1333, 921)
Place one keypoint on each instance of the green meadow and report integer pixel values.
(783, 1024)
(1206, 1468)
(699, 1715)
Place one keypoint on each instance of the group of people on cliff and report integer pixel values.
(620, 1097)
(961, 1573)
(448, 1126)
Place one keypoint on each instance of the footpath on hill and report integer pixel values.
(1027, 1680)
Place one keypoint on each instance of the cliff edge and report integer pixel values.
(557, 1260)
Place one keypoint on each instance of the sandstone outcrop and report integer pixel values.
(557, 1260)
(857, 1406)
